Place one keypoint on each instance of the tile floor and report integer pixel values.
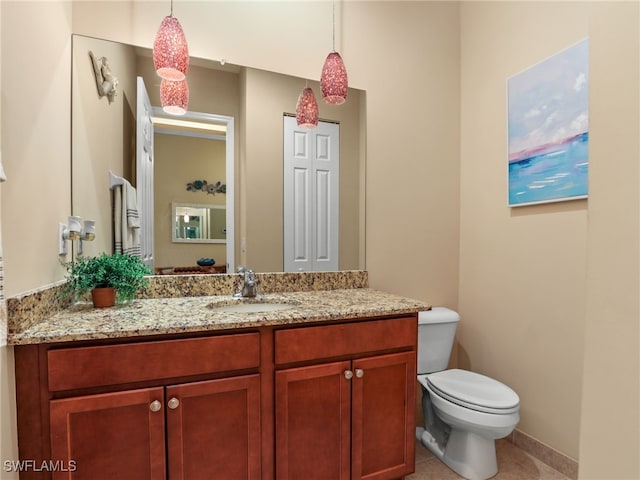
(513, 464)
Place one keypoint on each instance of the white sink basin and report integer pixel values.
(251, 307)
(262, 303)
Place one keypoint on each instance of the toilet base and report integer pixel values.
(466, 453)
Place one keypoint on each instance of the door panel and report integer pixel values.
(214, 429)
(323, 211)
(383, 421)
(106, 436)
(144, 172)
(312, 423)
(311, 196)
(301, 234)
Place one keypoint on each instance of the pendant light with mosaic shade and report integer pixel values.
(333, 81)
(174, 96)
(307, 109)
(170, 49)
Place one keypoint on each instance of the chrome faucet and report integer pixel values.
(249, 286)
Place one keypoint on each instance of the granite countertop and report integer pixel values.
(195, 314)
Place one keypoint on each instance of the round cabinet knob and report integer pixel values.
(155, 406)
(348, 374)
(359, 373)
(173, 403)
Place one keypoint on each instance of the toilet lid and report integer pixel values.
(474, 391)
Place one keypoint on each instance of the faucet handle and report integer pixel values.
(245, 271)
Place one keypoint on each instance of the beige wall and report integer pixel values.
(534, 311)
(409, 56)
(8, 447)
(36, 148)
(522, 270)
(437, 225)
(35, 139)
(612, 326)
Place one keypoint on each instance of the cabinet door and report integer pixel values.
(383, 416)
(213, 429)
(108, 436)
(313, 422)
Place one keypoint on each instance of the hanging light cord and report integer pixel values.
(171, 15)
(334, 25)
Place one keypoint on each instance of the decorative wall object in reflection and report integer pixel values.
(174, 96)
(170, 49)
(548, 108)
(307, 109)
(105, 81)
(333, 81)
(203, 186)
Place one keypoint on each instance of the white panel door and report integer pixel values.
(311, 195)
(144, 171)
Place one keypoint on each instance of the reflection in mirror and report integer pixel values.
(193, 165)
(194, 223)
(103, 139)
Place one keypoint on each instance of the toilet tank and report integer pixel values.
(436, 331)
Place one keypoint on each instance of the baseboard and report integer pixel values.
(556, 460)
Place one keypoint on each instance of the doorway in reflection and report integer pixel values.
(193, 184)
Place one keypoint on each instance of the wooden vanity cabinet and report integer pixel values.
(179, 430)
(212, 431)
(351, 419)
(334, 401)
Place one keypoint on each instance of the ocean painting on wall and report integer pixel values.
(548, 131)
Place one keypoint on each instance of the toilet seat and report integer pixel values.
(474, 391)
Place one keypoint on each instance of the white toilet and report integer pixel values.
(464, 412)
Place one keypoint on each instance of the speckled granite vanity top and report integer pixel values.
(193, 314)
(189, 314)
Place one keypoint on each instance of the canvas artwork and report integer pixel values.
(548, 116)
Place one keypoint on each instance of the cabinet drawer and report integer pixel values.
(309, 343)
(83, 367)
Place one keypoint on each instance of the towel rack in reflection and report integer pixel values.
(115, 180)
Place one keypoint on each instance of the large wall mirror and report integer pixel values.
(104, 140)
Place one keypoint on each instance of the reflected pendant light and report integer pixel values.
(174, 96)
(333, 81)
(170, 49)
(307, 109)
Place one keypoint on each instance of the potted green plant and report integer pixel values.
(117, 275)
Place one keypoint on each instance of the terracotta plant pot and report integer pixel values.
(103, 297)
